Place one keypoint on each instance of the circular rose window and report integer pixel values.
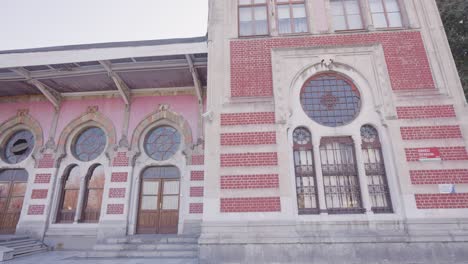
(19, 146)
(330, 100)
(89, 144)
(162, 142)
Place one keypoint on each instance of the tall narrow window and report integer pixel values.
(385, 13)
(93, 195)
(253, 17)
(340, 177)
(292, 16)
(375, 170)
(306, 184)
(346, 14)
(70, 193)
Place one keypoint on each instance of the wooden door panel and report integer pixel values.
(169, 222)
(148, 222)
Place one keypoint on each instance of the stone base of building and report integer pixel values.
(444, 241)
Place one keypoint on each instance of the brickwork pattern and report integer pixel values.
(117, 193)
(196, 191)
(197, 175)
(39, 193)
(430, 132)
(249, 138)
(439, 176)
(446, 153)
(250, 181)
(245, 205)
(42, 178)
(36, 209)
(119, 177)
(196, 208)
(430, 111)
(115, 209)
(46, 162)
(198, 159)
(121, 160)
(406, 58)
(254, 118)
(249, 159)
(442, 201)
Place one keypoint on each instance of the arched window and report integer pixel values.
(93, 195)
(330, 99)
(13, 185)
(340, 175)
(306, 183)
(18, 147)
(375, 170)
(162, 142)
(70, 194)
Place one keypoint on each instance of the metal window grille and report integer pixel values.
(90, 144)
(306, 183)
(162, 142)
(340, 176)
(375, 170)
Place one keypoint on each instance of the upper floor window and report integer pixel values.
(89, 144)
(346, 14)
(253, 17)
(162, 142)
(292, 16)
(385, 13)
(18, 147)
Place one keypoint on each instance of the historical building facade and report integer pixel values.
(296, 131)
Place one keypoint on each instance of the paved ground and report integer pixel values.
(71, 257)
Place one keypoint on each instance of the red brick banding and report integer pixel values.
(196, 208)
(248, 138)
(115, 209)
(39, 193)
(429, 111)
(121, 160)
(198, 159)
(253, 118)
(257, 181)
(439, 176)
(254, 204)
(404, 51)
(117, 193)
(42, 178)
(47, 162)
(446, 153)
(249, 159)
(36, 209)
(430, 132)
(196, 191)
(197, 175)
(442, 201)
(119, 177)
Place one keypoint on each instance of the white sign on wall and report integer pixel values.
(446, 188)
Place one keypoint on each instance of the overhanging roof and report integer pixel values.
(103, 67)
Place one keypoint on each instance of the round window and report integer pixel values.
(162, 142)
(89, 144)
(330, 100)
(19, 146)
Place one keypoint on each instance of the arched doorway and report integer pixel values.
(158, 210)
(13, 185)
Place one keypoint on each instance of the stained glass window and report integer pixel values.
(162, 142)
(19, 146)
(89, 144)
(331, 100)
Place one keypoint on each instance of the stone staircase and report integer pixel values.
(170, 248)
(20, 246)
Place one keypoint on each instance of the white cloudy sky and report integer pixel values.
(42, 23)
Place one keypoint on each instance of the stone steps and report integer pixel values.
(22, 246)
(160, 247)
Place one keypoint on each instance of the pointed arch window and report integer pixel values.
(375, 170)
(93, 195)
(69, 197)
(306, 182)
(340, 175)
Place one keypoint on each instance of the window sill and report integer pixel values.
(351, 31)
(390, 29)
(254, 36)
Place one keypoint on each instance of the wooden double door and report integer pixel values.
(13, 185)
(158, 211)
